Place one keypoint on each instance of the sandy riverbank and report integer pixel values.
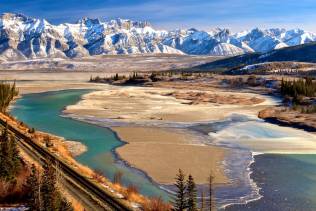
(76, 148)
(157, 151)
(161, 152)
(143, 104)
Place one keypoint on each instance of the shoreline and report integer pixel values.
(123, 160)
(256, 189)
(301, 126)
(254, 110)
(151, 147)
(166, 187)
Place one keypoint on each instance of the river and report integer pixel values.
(286, 182)
(43, 112)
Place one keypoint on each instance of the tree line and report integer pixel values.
(43, 193)
(39, 190)
(10, 161)
(186, 195)
(301, 87)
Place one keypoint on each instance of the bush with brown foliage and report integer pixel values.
(156, 204)
(98, 175)
(14, 191)
(118, 177)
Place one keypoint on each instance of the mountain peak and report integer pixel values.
(33, 38)
(88, 21)
(13, 16)
(128, 24)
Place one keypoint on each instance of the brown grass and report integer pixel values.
(131, 193)
(156, 204)
(14, 191)
(98, 176)
(59, 148)
(77, 205)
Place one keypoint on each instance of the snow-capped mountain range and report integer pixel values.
(23, 37)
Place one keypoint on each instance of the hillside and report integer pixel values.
(300, 53)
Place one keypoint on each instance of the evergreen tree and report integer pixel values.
(202, 201)
(49, 191)
(179, 203)
(211, 178)
(298, 87)
(10, 161)
(116, 77)
(52, 199)
(65, 205)
(43, 192)
(191, 194)
(34, 190)
(14, 155)
(4, 153)
(7, 93)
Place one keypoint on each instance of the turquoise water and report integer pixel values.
(42, 111)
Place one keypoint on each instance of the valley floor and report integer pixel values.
(150, 121)
(155, 121)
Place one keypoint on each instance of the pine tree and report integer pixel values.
(211, 178)
(179, 203)
(116, 77)
(202, 201)
(65, 205)
(4, 153)
(14, 155)
(52, 199)
(191, 194)
(10, 161)
(7, 93)
(49, 191)
(34, 190)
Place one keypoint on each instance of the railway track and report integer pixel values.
(109, 202)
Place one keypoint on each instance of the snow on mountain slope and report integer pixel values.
(23, 37)
(226, 49)
(270, 39)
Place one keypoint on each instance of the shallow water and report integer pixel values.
(287, 182)
(275, 177)
(42, 111)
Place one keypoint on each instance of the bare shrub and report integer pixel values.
(156, 204)
(14, 191)
(118, 177)
(132, 194)
(98, 175)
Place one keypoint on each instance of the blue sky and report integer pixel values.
(170, 14)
